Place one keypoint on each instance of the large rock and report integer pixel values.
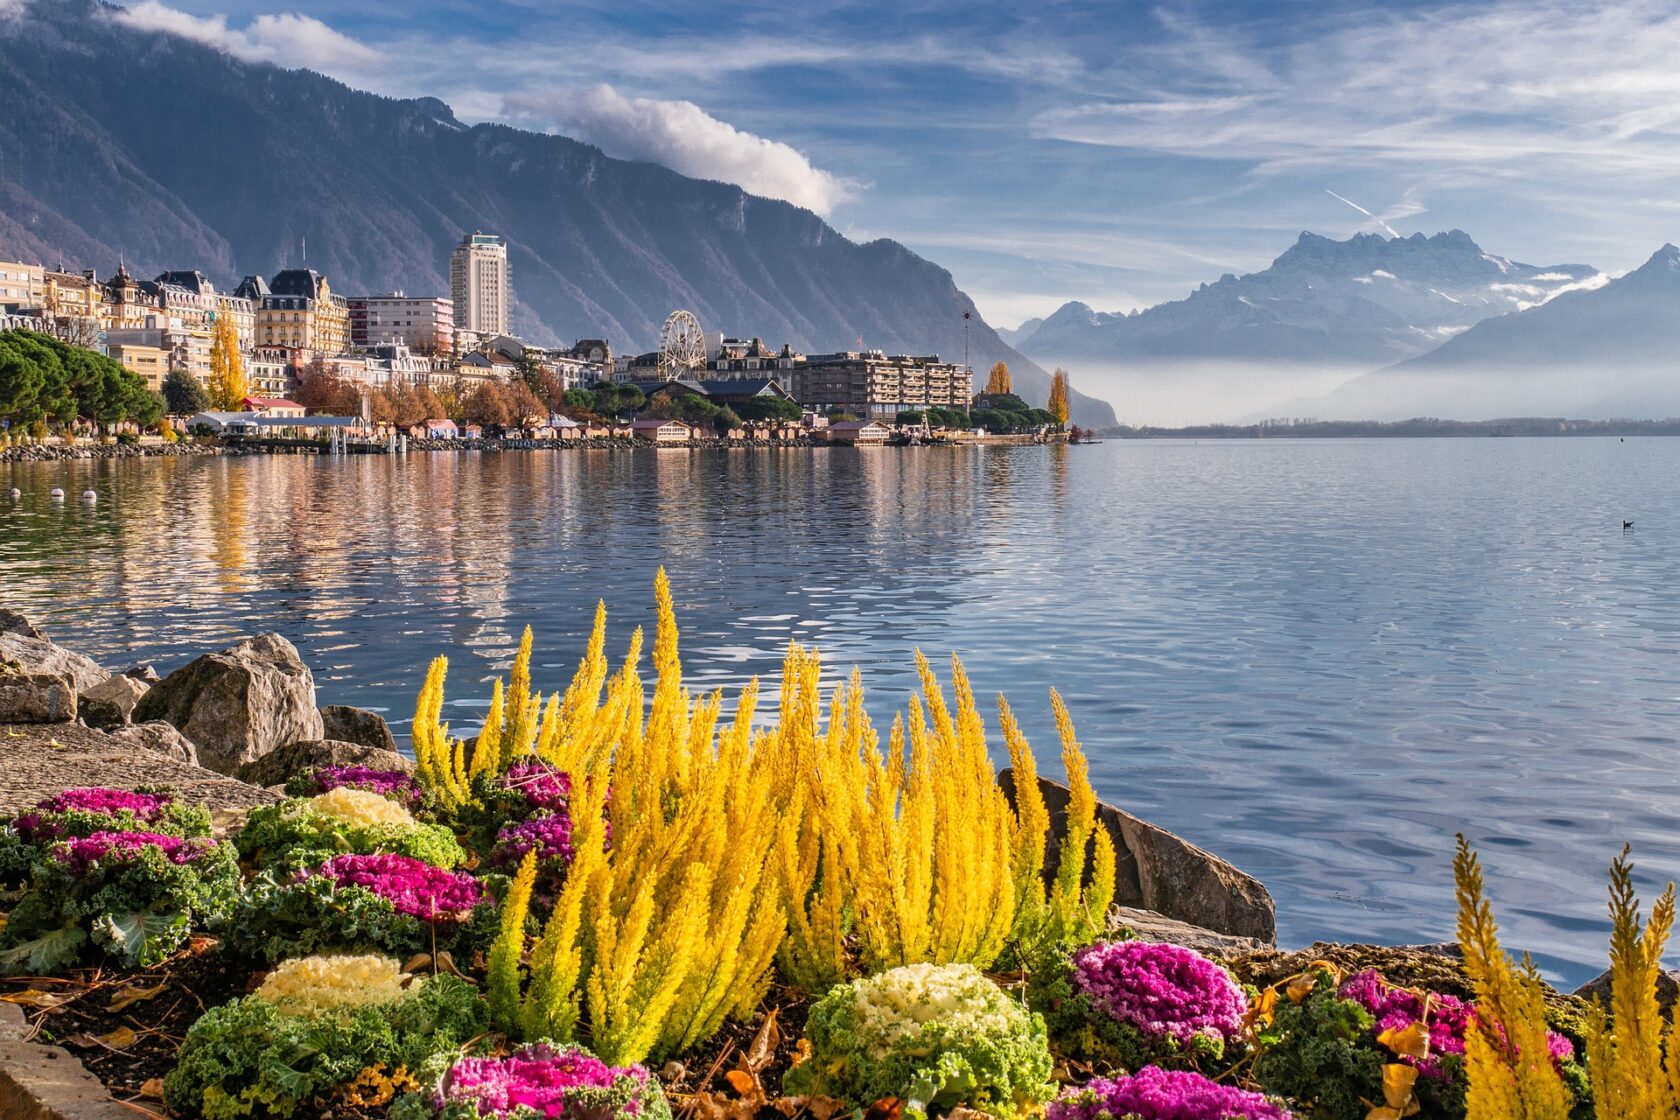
(357, 725)
(159, 738)
(35, 697)
(1158, 871)
(1668, 989)
(111, 703)
(11, 622)
(37, 655)
(1145, 925)
(239, 704)
(279, 765)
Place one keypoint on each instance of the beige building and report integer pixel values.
(869, 383)
(424, 324)
(299, 308)
(20, 284)
(480, 284)
(150, 363)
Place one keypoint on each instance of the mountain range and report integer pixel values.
(121, 143)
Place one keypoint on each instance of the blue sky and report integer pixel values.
(1114, 153)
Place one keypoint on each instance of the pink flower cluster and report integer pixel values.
(80, 854)
(1157, 1094)
(413, 886)
(1448, 1018)
(1162, 991)
(549, 836)
(546, 1079)
(35, 826)
(545, 788)
(394, 784)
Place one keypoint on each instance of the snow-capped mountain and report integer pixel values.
(1609, 351)
(1367, 301)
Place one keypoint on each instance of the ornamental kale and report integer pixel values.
(1153, 1093)
(395, 785)
(541, 1080)
(133, 896)
(360, 903)
(550, 837)
(1127, 1004)
(934, 1036)
(84, 811)
(301, 833)
(528, 789)
(253, 1058)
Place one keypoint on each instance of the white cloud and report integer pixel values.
(1495, 88)
(682, 136)
(12, 9)
(287, 39)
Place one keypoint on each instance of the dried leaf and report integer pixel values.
(417, 962)
(741, 1081)
(35, 997)
(132, 994)
(887, 1108)
(764, 1044)
(824, 1107)
(152, 1088)
(1410, 1041)
(120, 1039)
(801, 1052)
(1300, 987)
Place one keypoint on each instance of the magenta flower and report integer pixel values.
(1162, 991)
(37, 825)
(549, 836)
(544, 787)
(1157, 1094)
(413, 886)
(396, 785)
(81, 854)
(551, 1081)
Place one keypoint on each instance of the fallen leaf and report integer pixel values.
(741, 1081)
(417, 962)
(152, 1088)
(1301, 987)
(1399, 1102)
(801, 1052)
(132, 994)
(1410, 1041)
(764, 1043)
(35, 997)
(887, 1108)
(120, 1039)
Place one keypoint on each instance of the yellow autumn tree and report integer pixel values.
(228, 387)
(998, 380)
(1058, 406)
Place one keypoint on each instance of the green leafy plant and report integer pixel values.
(252, 1057)
(304, 832)
(932, 1036)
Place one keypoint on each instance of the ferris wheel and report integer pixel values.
(682, 346)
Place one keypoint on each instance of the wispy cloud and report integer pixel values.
(287, 39)
(684, 137)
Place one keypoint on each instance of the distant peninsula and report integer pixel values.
(1419, 427)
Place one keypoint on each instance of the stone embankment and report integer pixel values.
(57, 452)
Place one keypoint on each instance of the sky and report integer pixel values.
(1119, 154)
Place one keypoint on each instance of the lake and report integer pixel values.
(1319, 659)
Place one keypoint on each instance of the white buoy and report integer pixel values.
(89, 496)
(57, 493)
(16, 493)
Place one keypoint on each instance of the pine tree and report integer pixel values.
(998, 380)
(1058, 405)
(228, 388)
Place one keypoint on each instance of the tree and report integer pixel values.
(489, 403)
(1058, 405)
(320, 390)
(228, 387)
(42, 378)
(183, 394)
(525, 404)
(769, 408)
(998, 380)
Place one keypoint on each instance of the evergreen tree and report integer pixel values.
(1058, 406)
(998, 380)
(228, 387)
(183, 394)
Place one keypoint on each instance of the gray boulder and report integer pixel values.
(159, 738)
(1668, 988)
(143, 672)
(278, 766)
(1160, 872)
(238, 704)
(35, 697)
(357, 725)
(111, 703)
(37, 655)
(1147, 926)
(11, 622)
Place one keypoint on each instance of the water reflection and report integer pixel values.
(1320, 659)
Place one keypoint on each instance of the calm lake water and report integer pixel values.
(1319, 659)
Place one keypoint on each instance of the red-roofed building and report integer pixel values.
(276, 408)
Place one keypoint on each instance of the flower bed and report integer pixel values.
(394, 785)
(541, 1080)
(302, 833)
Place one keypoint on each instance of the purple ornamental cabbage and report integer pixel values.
(397, 785)
(545, 788)
(411, 885)
(1397, 1008)
(1153, 1093)
(81, 854)
(549, 836)
(1162, 991)
(552, 1081)
(33, 826)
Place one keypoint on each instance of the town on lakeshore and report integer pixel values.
(290, 362)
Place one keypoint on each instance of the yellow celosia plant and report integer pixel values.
(308, 986)
(734, 848)
(1507, 1061)
(359, 807)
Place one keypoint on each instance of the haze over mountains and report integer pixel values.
(117, 142)
(1324, 312)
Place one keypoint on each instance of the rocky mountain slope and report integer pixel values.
(119, 142)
